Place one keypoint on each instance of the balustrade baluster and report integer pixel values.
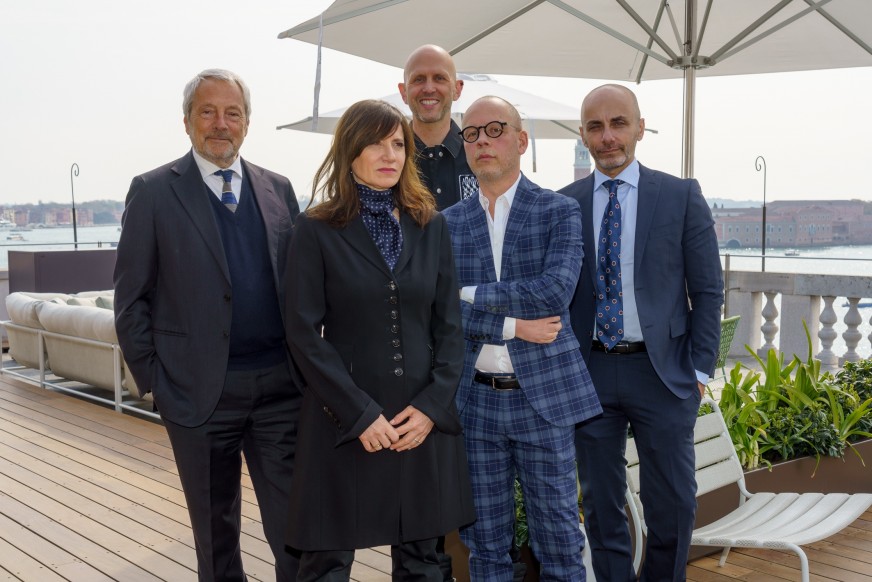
(827, 334)
(852, 335)
(769, 327)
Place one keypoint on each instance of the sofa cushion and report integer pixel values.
(86, 294)
(21, 306)
(78, 321)
(82, 301)
(106, 301)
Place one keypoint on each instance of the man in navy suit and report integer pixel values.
(654, 350)
(517, 251)
(198, 310)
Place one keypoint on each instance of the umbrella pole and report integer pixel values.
(318, 74)
(687, 140)
(689, 89)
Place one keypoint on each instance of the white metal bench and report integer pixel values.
(783, 521)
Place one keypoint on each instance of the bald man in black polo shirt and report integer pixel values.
(429, 87)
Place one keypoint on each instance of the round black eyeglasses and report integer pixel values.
(493, 130)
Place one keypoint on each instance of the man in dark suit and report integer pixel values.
(648, 321)
(517, 251)
(198, 314)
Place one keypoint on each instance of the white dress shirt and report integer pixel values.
(495, 359)
(216, 183)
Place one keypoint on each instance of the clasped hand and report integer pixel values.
(406, 431)
(538, 331)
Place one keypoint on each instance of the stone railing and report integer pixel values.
(773, 307)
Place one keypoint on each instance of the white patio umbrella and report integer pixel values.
(543, 118)
(629, 40)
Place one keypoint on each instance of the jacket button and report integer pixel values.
(395, 328)
(395, 343)
(393, 300)
(395, 314)
(398, 357)
(227, 297)
(225, 333)
(398, 372)
(392, 286)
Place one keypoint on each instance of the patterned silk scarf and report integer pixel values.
(376, 209)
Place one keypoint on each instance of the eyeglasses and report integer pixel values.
(493, 130)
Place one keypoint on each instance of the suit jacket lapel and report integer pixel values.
(477, 223)
(648, 195)
(193, 195)
(411, 235)
(522, 204)
(587, 222)
(356, 235)
(270, 209)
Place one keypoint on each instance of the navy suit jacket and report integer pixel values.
(542, 256)
(679, 284)
(172, 283)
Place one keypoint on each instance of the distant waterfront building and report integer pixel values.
(796, 223)
(582, 163)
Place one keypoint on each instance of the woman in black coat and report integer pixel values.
(373, 322)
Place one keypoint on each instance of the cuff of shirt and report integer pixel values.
(702, 378)
(509, 328)
(467, 294)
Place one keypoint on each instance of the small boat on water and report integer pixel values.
(15, 236)
(860, 305)
(791, 253)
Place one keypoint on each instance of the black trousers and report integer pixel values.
(256, 416)
(412, 562)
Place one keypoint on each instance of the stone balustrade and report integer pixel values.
(773, 307)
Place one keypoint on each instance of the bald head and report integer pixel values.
(431, 54)
(507, 111)
(495, 161)
(429, 88)
(612, 91)
(611, 124)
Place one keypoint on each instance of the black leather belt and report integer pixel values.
(620, 347)
(497, 381)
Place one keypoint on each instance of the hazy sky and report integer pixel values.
(99, 82)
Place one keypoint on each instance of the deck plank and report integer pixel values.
(89, 494)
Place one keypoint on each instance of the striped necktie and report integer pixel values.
(228, 198)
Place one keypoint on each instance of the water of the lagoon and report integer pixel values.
(836, 260)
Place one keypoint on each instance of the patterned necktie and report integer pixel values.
(228, 198)
(609, 304)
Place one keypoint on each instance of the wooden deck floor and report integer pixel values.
(88, 494)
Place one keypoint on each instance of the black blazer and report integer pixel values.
(369, 341)
(172, 283)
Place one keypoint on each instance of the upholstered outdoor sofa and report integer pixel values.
(68, 342)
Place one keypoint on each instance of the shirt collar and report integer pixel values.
(629, 175)
(452, 142)
(207, 168)
(508, 195)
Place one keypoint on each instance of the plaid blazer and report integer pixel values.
(542, 256)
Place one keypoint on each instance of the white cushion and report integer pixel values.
(78, 321)
(21, 306)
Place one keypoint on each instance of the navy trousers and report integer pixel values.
(632, 394)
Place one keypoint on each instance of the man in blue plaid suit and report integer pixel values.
(518, 253)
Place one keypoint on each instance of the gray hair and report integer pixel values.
(222, 75)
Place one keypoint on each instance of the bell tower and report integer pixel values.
(582, 161)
